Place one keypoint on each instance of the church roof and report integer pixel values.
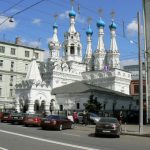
(33, 72)
(82, 87)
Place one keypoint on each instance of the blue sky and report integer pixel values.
(34, 25)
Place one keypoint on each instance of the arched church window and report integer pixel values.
(72, 49)
(61, 107)
(78, 50)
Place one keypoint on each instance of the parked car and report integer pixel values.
(18, 118)
(93, 118)
(56, 122)
(32, 120)
(1, 114)
(6, 117)
(108, 126)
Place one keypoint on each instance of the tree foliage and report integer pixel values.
(93, 105)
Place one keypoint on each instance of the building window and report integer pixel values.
(12, 66)
(136, 89)
(2, 49)
(26, 53)
(61, 107)
(0, 77)
(13, 51)
(36, 55)
(1, 63)
(11, 92)
(72, 49)
(78, 50)
(11, 78)
(78, 105)
(0, 91)
(26, 67)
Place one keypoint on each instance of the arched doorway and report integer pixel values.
(42, 107)
(36, 106)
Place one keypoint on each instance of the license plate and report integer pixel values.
(46, 121)
(5, 117)
(105, 131)
(15, 117)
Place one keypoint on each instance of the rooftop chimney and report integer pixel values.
(18, 41)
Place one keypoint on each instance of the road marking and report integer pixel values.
(70, 134)
(1, 148)
(49, 141)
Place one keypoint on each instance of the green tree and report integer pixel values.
(93, 105)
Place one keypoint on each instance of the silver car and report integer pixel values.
(108, 126)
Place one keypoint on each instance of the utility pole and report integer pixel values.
(140, 77)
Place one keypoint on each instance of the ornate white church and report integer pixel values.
(100, 70)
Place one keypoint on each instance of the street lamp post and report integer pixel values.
(140, 77)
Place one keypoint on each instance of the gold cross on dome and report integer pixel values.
(89, 20)
(113, 14)
(100, 11)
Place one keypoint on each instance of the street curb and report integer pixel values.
(133, 134)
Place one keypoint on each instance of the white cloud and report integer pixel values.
(6, 24)
(132, 28)
(35, 44)
(36, 21)
(64, 15)
(129, 62)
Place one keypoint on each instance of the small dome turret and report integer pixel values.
(55, 25)
(113, 25)
(100, 23)
(89, 31)
(72, 13)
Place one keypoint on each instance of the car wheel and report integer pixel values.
(60, 127)
(26, 125)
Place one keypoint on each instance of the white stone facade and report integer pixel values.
(14, 61)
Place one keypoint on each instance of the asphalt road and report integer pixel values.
(17, 137)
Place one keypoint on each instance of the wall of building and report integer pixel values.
(14, 68)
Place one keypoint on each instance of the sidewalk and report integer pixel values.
(134, 130)
(126, 129)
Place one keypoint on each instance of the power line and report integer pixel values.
(21, 11)
(12, 6)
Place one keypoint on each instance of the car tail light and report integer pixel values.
(37, 119)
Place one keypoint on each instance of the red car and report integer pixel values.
(6, 117)
(56, 122)
(32, 120)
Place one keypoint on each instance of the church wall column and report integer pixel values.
(17, 104)
(47, 107)
(31, 107)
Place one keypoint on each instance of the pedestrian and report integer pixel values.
(84, 120)
(75, 117)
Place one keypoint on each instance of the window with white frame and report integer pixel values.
(27, 54)
(1, 63)
(13, 51)
(2, 49)
(36, 55)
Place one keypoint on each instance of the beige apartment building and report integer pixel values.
(14, 61)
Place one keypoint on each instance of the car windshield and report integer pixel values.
(110, 120)
(53, 117)
(93, 115)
